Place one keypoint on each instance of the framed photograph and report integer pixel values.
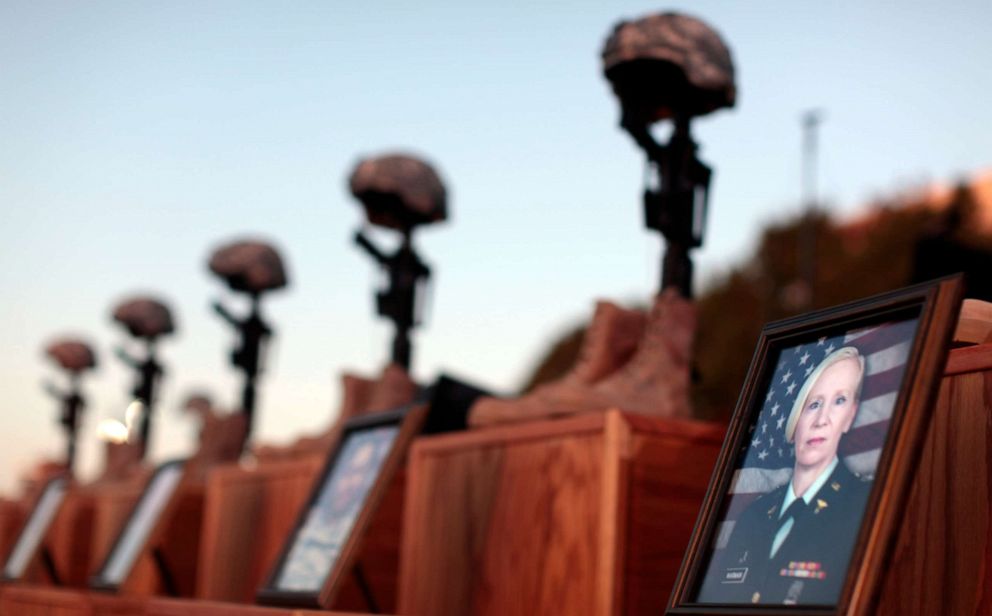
(805, 499)
(142, 526)
(322, 548)
(29, 541)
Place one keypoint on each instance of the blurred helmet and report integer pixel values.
(249, 266)
(71, 354)
(669, 63)
(399, 191)
(144, 317)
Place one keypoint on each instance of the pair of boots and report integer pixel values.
(359, 396)
(630, 361)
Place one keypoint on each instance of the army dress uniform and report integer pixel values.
(810, 564)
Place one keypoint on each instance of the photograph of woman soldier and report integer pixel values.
(320, 539)
(799, 496)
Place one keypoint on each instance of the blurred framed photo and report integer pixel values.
(32, 536)
(142, 527)
(805, 499)
(322, 548)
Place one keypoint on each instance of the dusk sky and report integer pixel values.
(136, 136)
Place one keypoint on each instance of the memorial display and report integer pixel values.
(664, 67)
(146, 319)
(320, 551)
(29, 541)
(74, 357)
(819, 455)
(253, 268)
(401, 193)
(146, 517)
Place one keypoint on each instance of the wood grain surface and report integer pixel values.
(261, 504)
(12, 514)
(37, 601)
(70, 538)
(942, 556)
(587, 515)
(179, 607)
(112, 504)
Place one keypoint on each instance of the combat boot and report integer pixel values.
(609, 342)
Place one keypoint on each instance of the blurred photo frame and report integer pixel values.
(803, 507)
(30, 540)
(143, 528)
(323, 547)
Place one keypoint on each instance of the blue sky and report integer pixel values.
(136, 136)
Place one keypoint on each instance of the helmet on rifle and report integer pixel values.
(399, 191)
(144, 317)
(668, 64)
(250, 266)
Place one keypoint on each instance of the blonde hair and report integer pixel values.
(840, 354)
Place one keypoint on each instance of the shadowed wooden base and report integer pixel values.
(260, 504)
(588, 515)
(942, 562)
(11, 521)
(35, 601)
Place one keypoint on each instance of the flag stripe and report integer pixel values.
(882, 383)
(877, 409)
(864, 438)
(887, 359)
(877, 338)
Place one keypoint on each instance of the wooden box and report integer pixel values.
(587, 515)
(166, 607)
(112, 503)
(18, 600)
(11, 521)
(69, 541)
(248, 516)
(942, 561)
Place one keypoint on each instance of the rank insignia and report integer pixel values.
(804, 569)
(820, 504)
(835, 486)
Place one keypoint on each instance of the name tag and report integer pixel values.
(735, 575)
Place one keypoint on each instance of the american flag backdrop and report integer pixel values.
(769, 457)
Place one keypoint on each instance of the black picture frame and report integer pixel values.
(31, 538)
(142, 526)
(325, 581)
(706, 571)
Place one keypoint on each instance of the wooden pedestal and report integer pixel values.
(18, 600)
(248, 516)
(69, 541)
(174, 552)
(588, 515)
(942, 562)
(112, 503)
(37, 601)
(11, 521)
(165, 607)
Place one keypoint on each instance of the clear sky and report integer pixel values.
(135, 136)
